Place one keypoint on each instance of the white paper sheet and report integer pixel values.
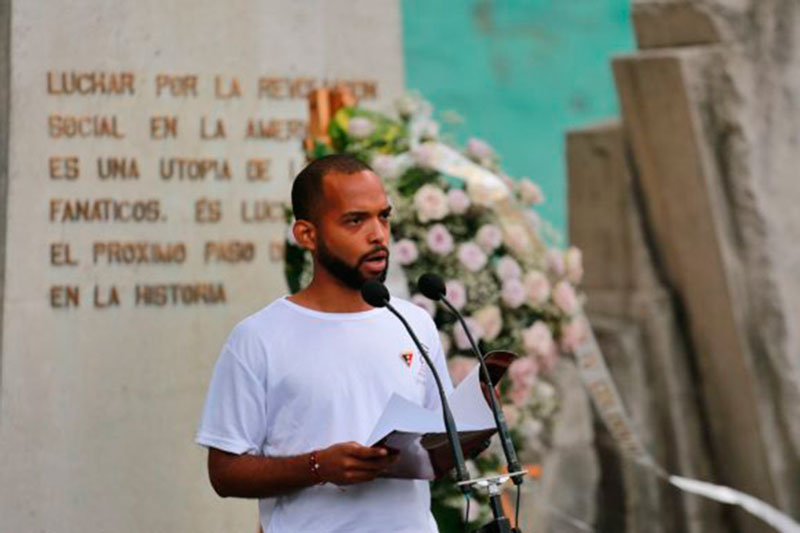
(467, 403)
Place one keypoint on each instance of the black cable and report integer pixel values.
(516, 513)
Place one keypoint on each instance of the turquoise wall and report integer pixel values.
(520, 72)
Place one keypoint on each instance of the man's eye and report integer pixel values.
(386, 216)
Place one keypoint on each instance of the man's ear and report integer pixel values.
(305, 234)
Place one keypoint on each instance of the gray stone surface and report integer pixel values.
(565, 493)
(634, 318)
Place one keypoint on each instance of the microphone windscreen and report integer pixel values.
(375, 293)
(431, 286)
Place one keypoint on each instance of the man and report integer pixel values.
(301, 383)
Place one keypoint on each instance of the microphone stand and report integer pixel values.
(499, 524)
(449, 422)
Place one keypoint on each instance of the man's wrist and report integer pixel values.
(314, 467)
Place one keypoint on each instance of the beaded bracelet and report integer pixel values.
(313, 463)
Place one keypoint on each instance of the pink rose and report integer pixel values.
(431, 203)
(508, 268)
(424, 155)
(537, 287)
(523, 371)
(573, 334)
(459, 367)
(405, 250)
(478, 149)
(458, 201)
(529, 192)
(564, 297)
(513, 293)
(490, 321)
(518, 239)
(489, 237)
(537, 340)
(555, 262)
(533, 220)
(428, 129)
(456, 293)
(360, 127)
(460, 337)
(424, 303)
(471, 256)
(574, 265)
(439, 240)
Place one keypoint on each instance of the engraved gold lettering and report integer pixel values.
(64, 296)
(64, 168)
(163, 127)
(123, 168)
(176, 85)
(90, 83)
(207, 211)
(258, 170)
(60, 255)
(94, 126)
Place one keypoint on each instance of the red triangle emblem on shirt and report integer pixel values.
(408, 357)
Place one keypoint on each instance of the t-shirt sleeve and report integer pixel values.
(234, 415)
(439, 360)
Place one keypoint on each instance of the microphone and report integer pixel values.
(433, 287)
(376, 294)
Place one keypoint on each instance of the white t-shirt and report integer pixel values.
(291, 380)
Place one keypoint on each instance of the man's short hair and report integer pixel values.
(307, 186)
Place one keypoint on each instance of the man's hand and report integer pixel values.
(348, 463)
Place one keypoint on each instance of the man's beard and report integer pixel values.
(349, 275)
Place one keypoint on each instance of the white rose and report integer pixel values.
(360, 127)
(490, 321)
(458, 201)
(431, 203)
(439, 240)
(489, 237)
(387, 166)
(428, 129)
(537, 287)
(471, 256)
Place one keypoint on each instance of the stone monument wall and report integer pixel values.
(150, 147)
(710, 126)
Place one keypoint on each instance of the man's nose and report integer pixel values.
(378, 233)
